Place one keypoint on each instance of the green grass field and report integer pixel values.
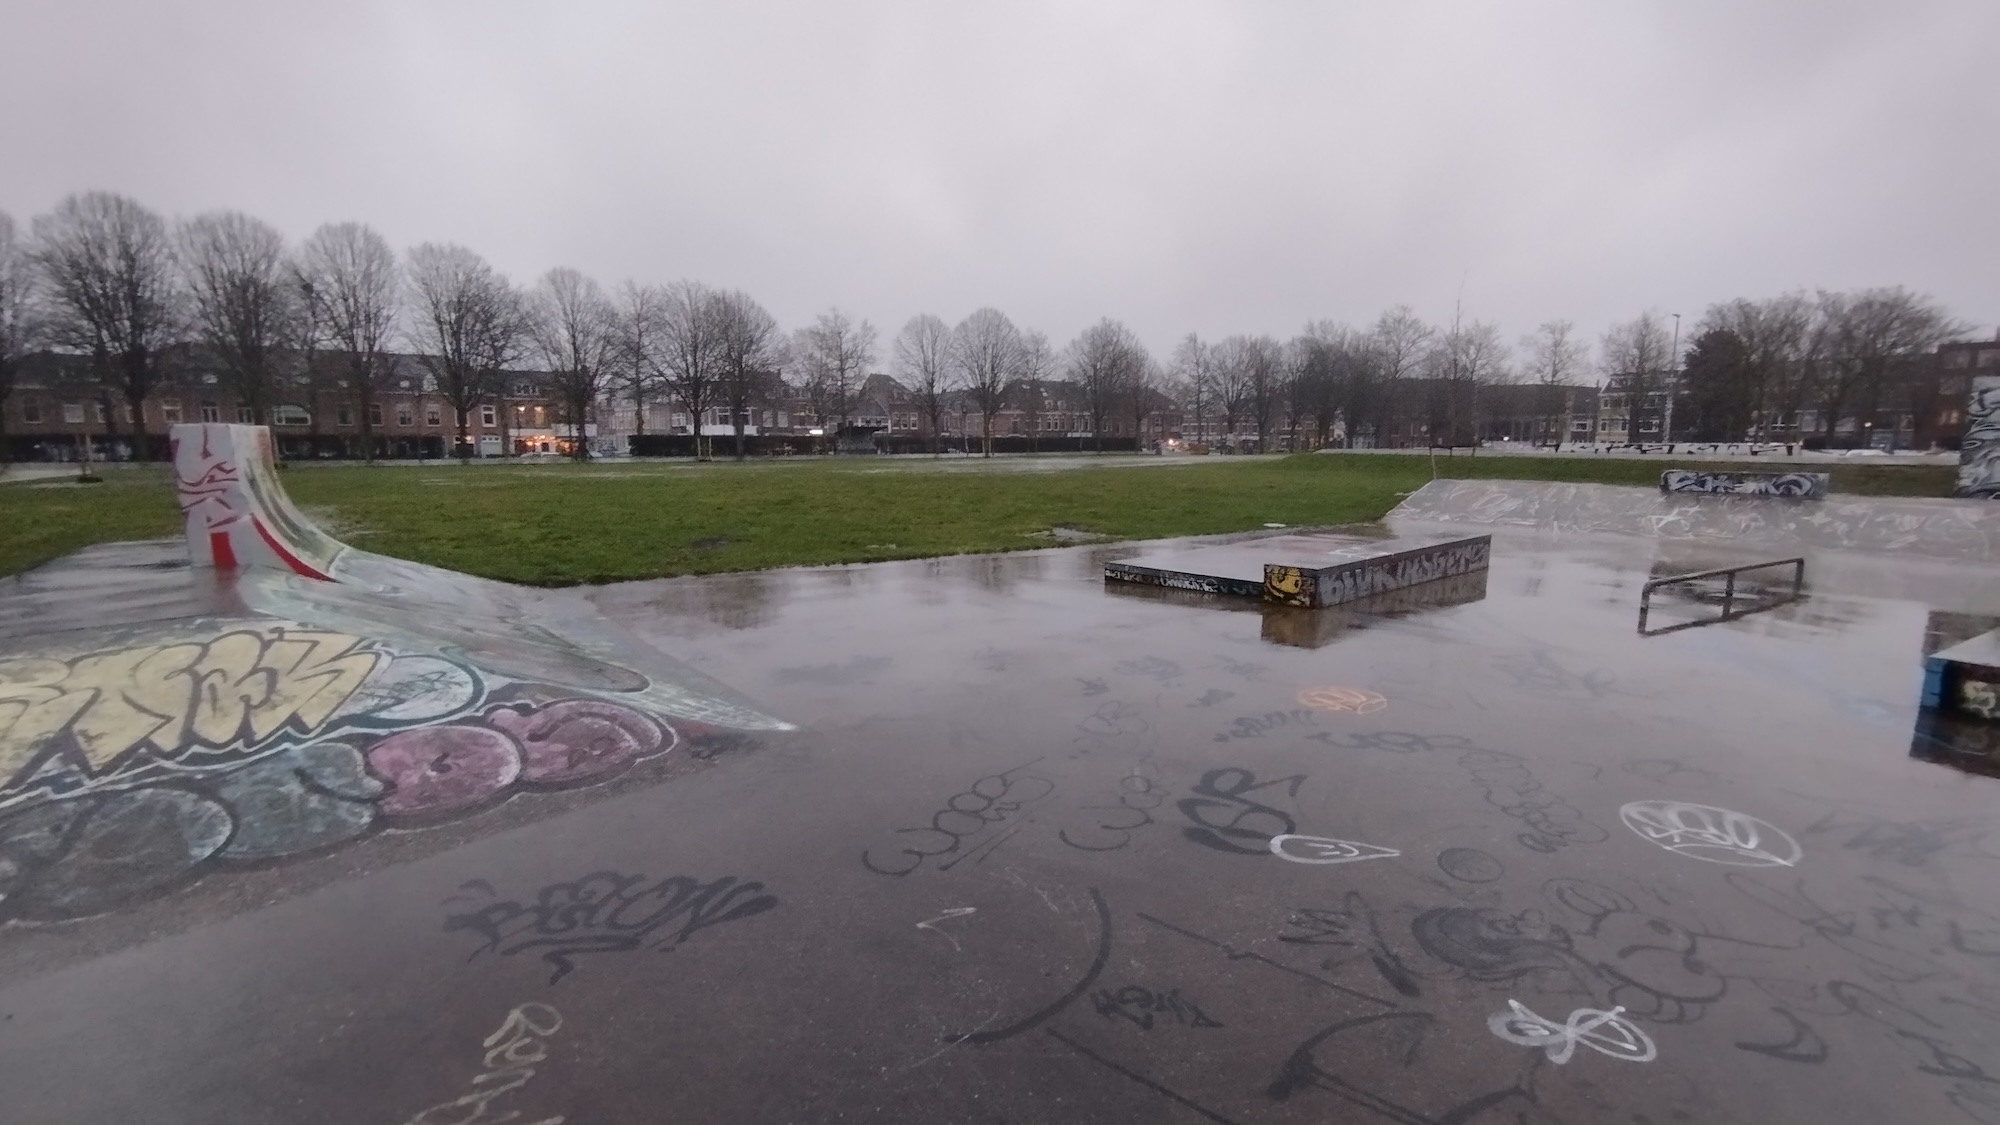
(561, 524)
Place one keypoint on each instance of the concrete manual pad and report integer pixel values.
(1037, 852)
(1240, 568)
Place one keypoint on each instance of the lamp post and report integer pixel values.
(1673, 381)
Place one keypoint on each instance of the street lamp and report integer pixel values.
(1673, 380)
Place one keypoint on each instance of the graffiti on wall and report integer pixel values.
(130, 768)
(1179, 579)
(1798, 486)
(234, 512)
(1326, 586)
(1979, 455)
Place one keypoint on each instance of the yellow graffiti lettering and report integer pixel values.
(313, 674)
(238, 688)
(141, 695)
(33, 709)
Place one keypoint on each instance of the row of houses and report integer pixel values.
(56, 412)
(1920, 403)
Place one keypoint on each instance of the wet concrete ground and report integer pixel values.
(1018, 866)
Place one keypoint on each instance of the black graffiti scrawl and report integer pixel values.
(1979, 454)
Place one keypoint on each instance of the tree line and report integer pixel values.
(103, 277)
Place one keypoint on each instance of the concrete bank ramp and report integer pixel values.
(1967, 530)
(272, 693)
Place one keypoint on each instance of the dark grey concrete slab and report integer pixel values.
(1237, 568)
(1018, 865)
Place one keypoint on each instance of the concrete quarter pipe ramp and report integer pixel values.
(1944, 529)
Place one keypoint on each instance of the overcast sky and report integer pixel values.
(1215, 168)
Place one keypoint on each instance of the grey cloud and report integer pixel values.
(1206, 167)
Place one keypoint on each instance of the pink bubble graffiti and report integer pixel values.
(579, 739)
(443, 768)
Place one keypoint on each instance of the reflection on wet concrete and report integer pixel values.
(1316, 628)
(1045, 852)
(1960, 741)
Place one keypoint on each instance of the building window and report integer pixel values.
(1988, 357)
(31, 412)
(343, 415)
(404, 415)
(211, 412)
(290, 415)
(97, 411)
(432, 415)
(170, 412)
(1954, 359)
(374, 413)
(488, 416)
(245, 414)
(73, 413)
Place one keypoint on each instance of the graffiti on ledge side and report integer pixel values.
(1797, 486)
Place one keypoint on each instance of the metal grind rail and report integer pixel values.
(1729, 610)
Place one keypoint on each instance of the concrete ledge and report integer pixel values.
(1173, 579)
(1796, 486)
(1374, 570)
(1964, 680)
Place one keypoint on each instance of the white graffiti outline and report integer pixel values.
(950, 912)
(1559, 1040)
(1325, 849)
(1702, 831)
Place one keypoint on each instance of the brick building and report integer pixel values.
(58, 404)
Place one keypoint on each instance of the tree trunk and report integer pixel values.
(142, 447)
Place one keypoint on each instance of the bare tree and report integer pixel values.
(986, 351)
(751, 352)
(349, 276)
(15, 325)
(1556, 355)
(1867, 333)
(1263, 384)
(1100, 360)
(1324, 357)
(1778, 339)
(923, 359)
(1038, 362)
(244, 304)
(1229, 361)
(637, 317)
(689, 358)
(833, 354)
(1635, 357)
(1398, 342)
(106, 268)
(1143, 378)
(1464, 357)
(466, 327)
(1194, 380)
(571, 324)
